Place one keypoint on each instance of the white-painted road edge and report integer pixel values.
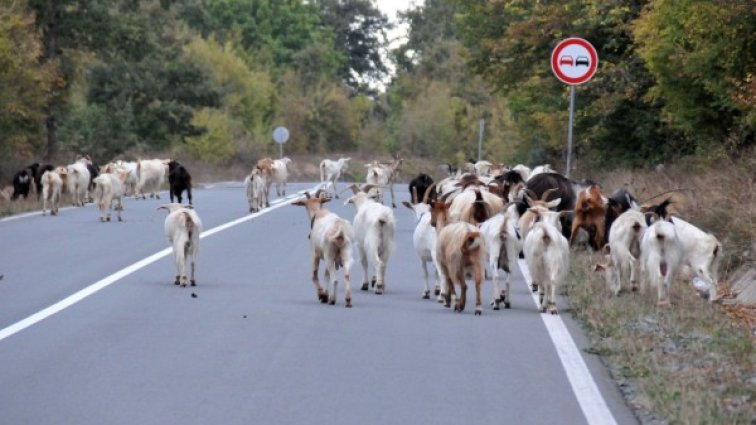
(588, 395)
(115, 277)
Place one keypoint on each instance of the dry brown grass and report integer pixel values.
(693, 362)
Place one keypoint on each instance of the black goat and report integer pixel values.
(540, 183)
(22, 181)
(419, 185)
(179, 180)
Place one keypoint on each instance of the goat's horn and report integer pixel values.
(414, 194)
(317, 193)
(307, 195)
(548, 192)
(367, 188)
(428, 192)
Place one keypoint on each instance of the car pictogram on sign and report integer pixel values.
(574, 61)
(582, 60)
(565, 60)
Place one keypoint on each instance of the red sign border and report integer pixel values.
(591, 51)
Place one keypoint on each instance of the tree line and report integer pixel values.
(212, 78)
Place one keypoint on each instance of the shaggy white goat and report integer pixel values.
(373, 228)
(330, 171)
(424, 241)
(502, 245)
(547, 254)
(183, 227)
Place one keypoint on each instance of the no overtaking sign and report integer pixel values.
(574, 61)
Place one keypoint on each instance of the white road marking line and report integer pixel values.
(588, 395)
(30, 214)
(109, 280)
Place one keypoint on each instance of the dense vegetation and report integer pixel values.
(210, 79)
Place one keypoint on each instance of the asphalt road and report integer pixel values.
(255, 346)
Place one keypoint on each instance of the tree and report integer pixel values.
(702, 55)
(25, 82)
(360, 36)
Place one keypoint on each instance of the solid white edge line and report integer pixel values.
(111, 279)
(586, 391)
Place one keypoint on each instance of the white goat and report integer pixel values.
(424, 240)
(131, 181)
(150, 177)
(255, 185)
(331, 241)
(661, 257)
(109, 191)
(624, 250)
(382, 175)
(502, 244)
(373, 227)
(702, 253)
(183, 227)
(280, 175)
(78, 182)
(330, 171)
(547, 254)
(52, 186)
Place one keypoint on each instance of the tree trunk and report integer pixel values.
(51, 17)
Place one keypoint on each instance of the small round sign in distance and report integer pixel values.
(574, 61)
(281, 135)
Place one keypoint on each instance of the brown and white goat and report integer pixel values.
(590, 215)
(331, 241)
(459, 249)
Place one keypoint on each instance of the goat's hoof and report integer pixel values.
(177, 283)
(447, 305)
(332, 302)
(507, 305)
(495, 305)
(534, 287)
(372, 282)
(193, 282)
(183, 284)
(323, 297)
(102, 219)
(478, 311)
(436, 291)
(120, 219)
(393, 205)
(426, 295)
(348, 303)
(365, 287)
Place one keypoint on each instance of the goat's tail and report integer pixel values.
(385, 232)
(472, 241)
(322, 171)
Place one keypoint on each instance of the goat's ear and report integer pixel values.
(600, 267)
(324, 200)
(298, 203)
(349, 201)
(565, 213)
(355, 189)
(408, 205)
(607, 249)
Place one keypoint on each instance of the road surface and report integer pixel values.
(255, 346)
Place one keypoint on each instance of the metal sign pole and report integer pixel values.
(280, 151)
(480, 137)
(569, 132)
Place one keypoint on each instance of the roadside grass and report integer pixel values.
(688, 363)
(691, 363)
(8, 208)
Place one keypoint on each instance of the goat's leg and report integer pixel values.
(333, 280)
(478, 278)
(193, 280)
(505, 295)
(119, 208)
(462, 300)
(493, 264)
(347, 284)
(634, 267)
(391, 189)
(322, 295)
(552, 299)
(364, 263)
(426, 292)
(335, 190)
(380, 271)
(189, 193)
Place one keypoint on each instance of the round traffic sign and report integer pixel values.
(574, 61)
(281, 135)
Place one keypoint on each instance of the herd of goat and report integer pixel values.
(471, 223)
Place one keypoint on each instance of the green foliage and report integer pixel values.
(216, 144)
(701, 54)
(25, 83)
